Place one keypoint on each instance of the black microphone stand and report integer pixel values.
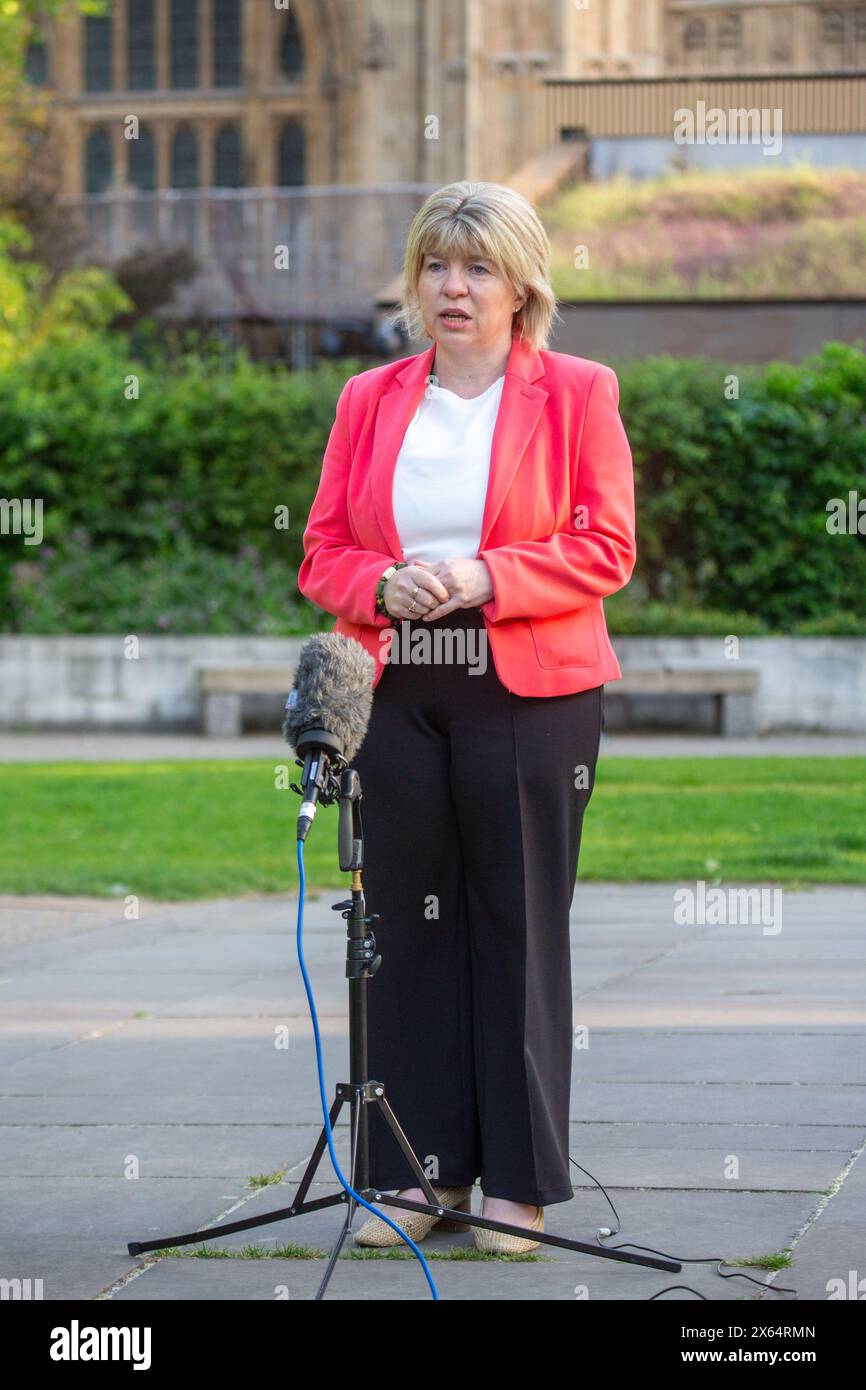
(362, 962)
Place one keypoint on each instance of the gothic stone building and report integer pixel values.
(283, 93)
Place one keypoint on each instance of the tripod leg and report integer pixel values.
(356, 1134)
(347, 1224)
(316, 1155)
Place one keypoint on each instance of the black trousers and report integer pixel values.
(473, 802)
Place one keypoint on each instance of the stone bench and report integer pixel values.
(735, 688)
(222, 689)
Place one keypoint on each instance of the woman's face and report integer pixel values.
(476, 291)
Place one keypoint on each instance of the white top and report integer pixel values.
(440, 480)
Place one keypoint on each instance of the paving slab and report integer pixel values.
(731, 1228)
(718, 1094)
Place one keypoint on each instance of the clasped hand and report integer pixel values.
(442, 587)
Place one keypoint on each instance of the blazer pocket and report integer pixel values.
(566, 639)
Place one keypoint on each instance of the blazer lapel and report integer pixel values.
(393, 416)
(520, 406)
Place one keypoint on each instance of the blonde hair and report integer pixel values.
(487, 219)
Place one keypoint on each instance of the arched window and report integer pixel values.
(695, 36)
(227, 43)
(290, 156)
(140, 46)
(184, 43)
(781, 38)
(98, 35)
(36, 63)
(142, 160)
(184, 158)
(833, 36)
(227, 171)
(98, 161)
(729, 32)
(833, 26)
(291, 49)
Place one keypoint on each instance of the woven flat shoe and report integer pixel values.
(416, 1224)
(501, 1243)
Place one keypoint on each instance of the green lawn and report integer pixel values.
(176, 830)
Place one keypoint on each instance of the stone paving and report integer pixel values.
(720, 1099)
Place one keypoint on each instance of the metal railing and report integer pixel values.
(321, 252)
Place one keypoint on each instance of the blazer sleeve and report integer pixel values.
(337, 574)
(595, 556)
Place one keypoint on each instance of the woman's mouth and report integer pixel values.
(454, 317)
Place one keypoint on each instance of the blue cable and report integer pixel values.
(308, 987)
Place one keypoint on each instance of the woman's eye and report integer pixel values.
(438, 265)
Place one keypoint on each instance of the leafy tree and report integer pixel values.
(29, 159)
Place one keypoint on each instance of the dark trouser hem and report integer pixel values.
(545, 1198)
(399, 1184)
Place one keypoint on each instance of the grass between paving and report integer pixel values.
(777, 1261)
(183, 830)
(308, 1252)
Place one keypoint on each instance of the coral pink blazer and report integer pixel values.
(558, 530)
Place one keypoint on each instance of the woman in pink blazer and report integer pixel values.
(475, 500)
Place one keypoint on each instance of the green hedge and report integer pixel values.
(732, 494)
(159, 511)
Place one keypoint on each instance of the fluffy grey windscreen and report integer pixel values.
(333, 690)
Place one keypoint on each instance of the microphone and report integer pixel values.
(327, 711)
